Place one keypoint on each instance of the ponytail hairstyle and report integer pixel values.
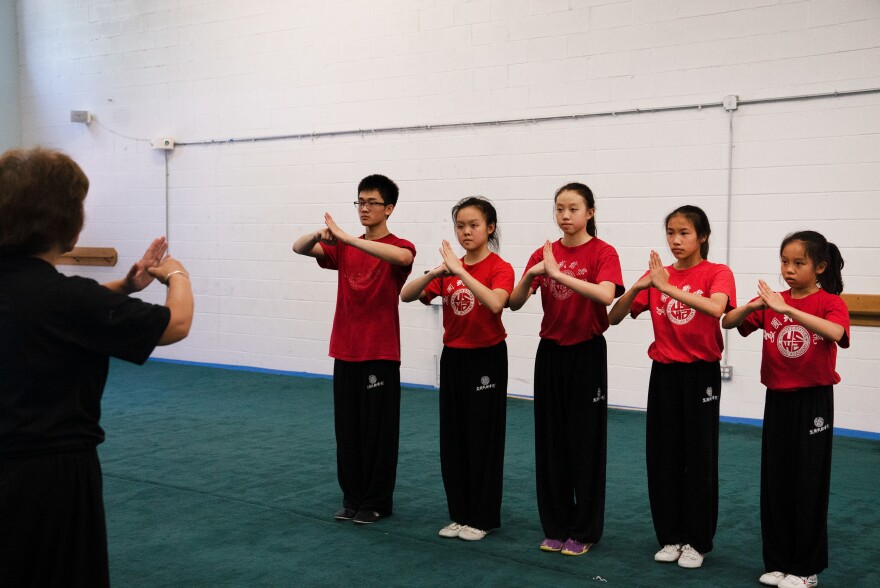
(819, 250)
(698, 218)
(590, 201)
(485, 206)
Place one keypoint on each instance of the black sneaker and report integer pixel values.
(365, 517)
(345, 514)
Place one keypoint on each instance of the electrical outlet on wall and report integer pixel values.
(727, 372)
(80, 116)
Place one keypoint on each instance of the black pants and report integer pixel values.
(682, 452)
(473, 418)
(52, 529)
(571, 425)
(796, 479)
(366, 399)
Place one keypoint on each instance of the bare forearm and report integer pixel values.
(308, 244)
(714, 305)
(494, 300)
(602, 293)
(415, 289)
(816, 324)
(521, 292)
(179, 300)
(623, 305)
(735, 317)
(391, 253)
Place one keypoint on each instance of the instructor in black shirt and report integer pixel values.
(57, 334)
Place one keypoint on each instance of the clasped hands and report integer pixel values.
(155, 264)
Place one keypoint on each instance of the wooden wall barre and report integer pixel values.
(864, 309)
(89, 256)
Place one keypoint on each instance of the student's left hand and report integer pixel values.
(338, 233)
(659, 274)
(450, 259)
(771, 298)
(138, 277)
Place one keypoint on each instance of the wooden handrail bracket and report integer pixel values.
(864, 309)
(89, 256)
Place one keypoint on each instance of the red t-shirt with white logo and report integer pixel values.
(792, 356)
(467, 324)
(569, 318)
(681, 333)
(366, 325)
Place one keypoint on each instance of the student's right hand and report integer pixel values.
(643, 283)
(440, 270)
(537, 270)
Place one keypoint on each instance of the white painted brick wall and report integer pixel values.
(211, 69)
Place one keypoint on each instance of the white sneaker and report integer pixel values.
(669, 553)
(451, 531)
(471, 534)
(690, 558)
(791, 581)
(771, 578)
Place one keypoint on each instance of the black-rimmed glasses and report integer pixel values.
(368, 203)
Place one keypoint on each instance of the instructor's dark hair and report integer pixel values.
(41, 201)
(489, 213)
(383, 185)
(698, 218)
(820, 251)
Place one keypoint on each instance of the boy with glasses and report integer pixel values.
(365, 344)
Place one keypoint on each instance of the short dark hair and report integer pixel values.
(381, 184)
(485, 206)
(698, 218)
(589, 200)
(41, 201)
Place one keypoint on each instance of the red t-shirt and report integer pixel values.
(794, 357)
(467, 324)
(366, 325)
(570, 318)
(681, 333)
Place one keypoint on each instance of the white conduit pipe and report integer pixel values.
(167, 202)
(517, 121)
(729, 222)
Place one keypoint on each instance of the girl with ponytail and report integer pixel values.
(684, 300)
(803, 327)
